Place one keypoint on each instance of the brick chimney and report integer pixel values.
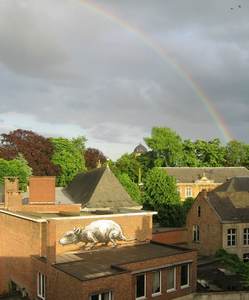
(42, 190)
(12, 195)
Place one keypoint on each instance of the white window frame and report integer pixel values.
(188, 273)
(142, 297)
(231, 235)
(160, 282)
(41, 280)
(174, 288)
(99, 295)
(196, 233)
(188, 191)
(246, 236)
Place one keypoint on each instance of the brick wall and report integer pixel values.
(42, 189)
(136, 228)
(210, 227)
(170, 236)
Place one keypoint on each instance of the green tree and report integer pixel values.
(130, 186)
(68, 155)
(128, 164)
(160, 194)
(236, 153)
(17, 168)
(167, 145)
(189, 154)
(210, 153)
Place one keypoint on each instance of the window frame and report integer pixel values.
(100, 293)
(41, 282)
(160, 282)
(246, 236)
(196, 233)
(144, 296)
(174, 288)
(188, 191)
(184, 286)
(230, 236)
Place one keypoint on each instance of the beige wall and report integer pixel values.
(196, 187)
(239, 249)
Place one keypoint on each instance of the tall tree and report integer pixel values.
(94, 156)
(167, 145)
(160, 194)
(236, 153)
(17, 168)
(68, 155)
(128, 164)
(36, 149)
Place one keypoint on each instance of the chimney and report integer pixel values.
(42, 190)
(12, 195)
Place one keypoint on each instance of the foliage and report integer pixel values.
(130, 186)
(167, 145)
(68, 155)
(160, 194)
(36, 149)
(189, 154)
(128, 164)
(92, 157)
(235, 264)
(236, 154)
(16, 167)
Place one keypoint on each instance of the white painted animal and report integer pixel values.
(101, 231)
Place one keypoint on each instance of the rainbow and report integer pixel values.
(167, 58)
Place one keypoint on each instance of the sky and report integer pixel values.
(110, 70)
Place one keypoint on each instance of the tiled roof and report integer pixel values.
(218, 175)
(231, 200)
(98, 189)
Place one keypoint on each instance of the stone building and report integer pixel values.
(44, 251)
(191, 181)
(220, 219)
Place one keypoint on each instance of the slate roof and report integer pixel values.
(218, 174)
(231, 200)
(111, 261)
(98, 188)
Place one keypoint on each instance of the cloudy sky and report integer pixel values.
(111, 70)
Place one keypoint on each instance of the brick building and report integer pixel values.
(34, 260)
(220, 219)
(191, 181)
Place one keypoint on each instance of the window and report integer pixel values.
(156, 283)
(246, 236)
(41, 281)
(188, 191)
(140, 286)
(102, 296)
(171, 279)
(198, 211)
(196, 233)
(231, 237)
(184, 275)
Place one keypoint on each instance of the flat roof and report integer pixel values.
(43, 216)
(99, 263)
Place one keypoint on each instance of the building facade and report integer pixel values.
(56, 250)
(191, 181)
(220, 219)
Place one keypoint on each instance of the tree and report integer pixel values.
(68, 155)
(129, 165)
(236, 153)
(36, 149)
(160, 194)
(130, 186)
(167, 145)
(92, 157)
(210, 153)
(189, 154)
(17, 168)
